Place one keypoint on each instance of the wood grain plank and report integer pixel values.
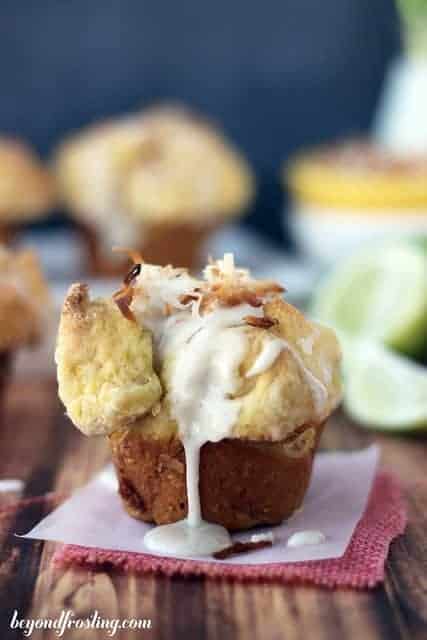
(405, 588)
(406, 581)
(78, 591)
(60, 459)
(404, 455)
(111, 594)
(137, 600)
(36, 463)
(296, 613)
(180, 607)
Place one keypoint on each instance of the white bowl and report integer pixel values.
(327, 235)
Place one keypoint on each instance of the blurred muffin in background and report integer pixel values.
(160, 180)
(24, 305)
(26, 188)
(347, 194)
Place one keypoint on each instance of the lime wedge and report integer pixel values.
(379, 294)
(383, 390)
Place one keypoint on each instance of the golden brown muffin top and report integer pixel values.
(263, 363)
(26, 188)
(24, 299)
(105, 369)
(161, 166)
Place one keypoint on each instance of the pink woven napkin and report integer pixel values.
(361, 566)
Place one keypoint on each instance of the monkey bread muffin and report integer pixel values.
(26, 188)
(24, 299)
(213, 392)
(160, 180)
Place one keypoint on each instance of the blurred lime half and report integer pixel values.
(379, 294)
(382, 389)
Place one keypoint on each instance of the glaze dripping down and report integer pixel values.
(200, 335)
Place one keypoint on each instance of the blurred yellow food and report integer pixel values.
(360, 176)
(26, 188)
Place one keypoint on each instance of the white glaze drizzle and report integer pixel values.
(207, 351)
(306, 538)
(203, 354)
(268, 536)
(11, 484)
(271, 349)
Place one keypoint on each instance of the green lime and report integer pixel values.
(383, 390)
(381, 294)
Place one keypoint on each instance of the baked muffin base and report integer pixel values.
(242, 483)
(7, 234)
(6, 358)
(179, 245)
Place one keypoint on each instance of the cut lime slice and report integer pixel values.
(383, 390)
(380, 294)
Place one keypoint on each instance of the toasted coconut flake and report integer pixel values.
(124, 309)
(224, 285)
(133, 273)
(230, 286)
(261, 323)
(188, 298)
(123, 299)
(241, 547)
(229, 296)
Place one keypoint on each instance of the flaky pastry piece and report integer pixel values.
(24, 299)
(104, 363)
(280, 399)
(26, 188)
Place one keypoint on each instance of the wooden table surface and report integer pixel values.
(38, 445)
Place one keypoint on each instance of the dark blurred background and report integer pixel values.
(278, 74)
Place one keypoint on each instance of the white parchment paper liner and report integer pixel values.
(338, 494)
